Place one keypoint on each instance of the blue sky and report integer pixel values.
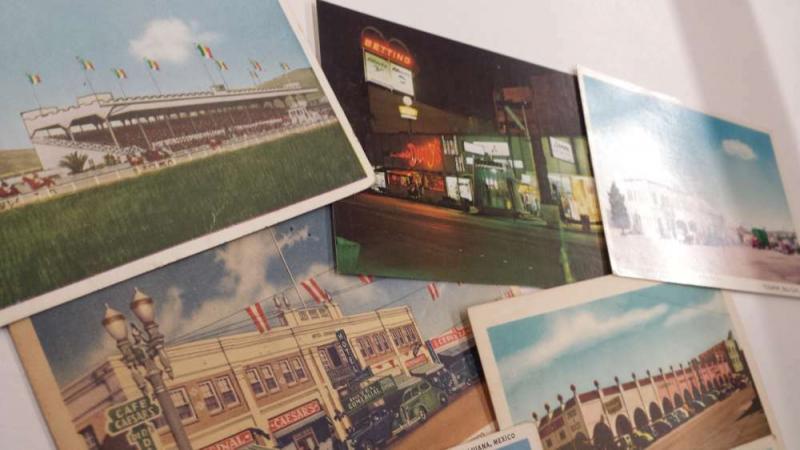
(730, 166)
(221, 282)
(45, 36)
(539, 357)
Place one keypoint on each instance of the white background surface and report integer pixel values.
(736, 58)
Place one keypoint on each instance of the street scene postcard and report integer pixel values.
(133, 136)
(482, 168)
(260, 344)
(616, 363)
(688, 197)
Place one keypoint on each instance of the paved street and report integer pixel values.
(722, 426)
(406, 239)
(463, 417)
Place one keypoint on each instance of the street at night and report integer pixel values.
(723, 425)
(462, 418)
(407, 239)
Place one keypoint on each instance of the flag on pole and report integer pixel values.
(433, 290)
(120, 73)
(256, 65)
(221, 64)
(317, 293)
(152, 64)
(87, 64)
(285, 67)
(205, 51)
(34, 78)
(366, 279)
(256, 312)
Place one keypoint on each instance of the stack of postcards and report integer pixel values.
(173, 277)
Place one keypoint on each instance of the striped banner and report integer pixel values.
(256, 312)
(433, 290)
(317, 293)
(366, 279)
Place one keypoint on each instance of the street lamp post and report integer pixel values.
(144, 356)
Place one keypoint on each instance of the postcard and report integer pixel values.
(260, 342)
(688, 197)
(622, 363)
(133, 137)
(482, 166)
(520, 437)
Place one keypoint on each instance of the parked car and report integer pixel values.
(625, 442)
(697, 406)
(439, 376)
(642, 439)
(374, 430)
(682, 414)
(418, 400)
(673, 420)
(709, 399)
(660, 427)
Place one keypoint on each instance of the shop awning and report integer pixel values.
(457, 349)
(426, 369)
(296, 426)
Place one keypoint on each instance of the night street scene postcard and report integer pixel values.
(618, 363)
(482, 168)
(260, 344)
(688, 197)
(132, 136)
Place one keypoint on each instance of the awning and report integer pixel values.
(457, 349)
(296, 426)
(426, 369)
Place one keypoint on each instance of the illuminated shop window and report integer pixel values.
(227, 392)
(210, 397)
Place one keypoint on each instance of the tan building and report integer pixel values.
(280, 389)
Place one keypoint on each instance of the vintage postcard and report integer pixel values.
(259, 343)
(688, 197)
(520, 437)
(482, 167)
(620, 363)
(132, 137)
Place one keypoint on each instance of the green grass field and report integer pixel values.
(18, 161)
(50, 244)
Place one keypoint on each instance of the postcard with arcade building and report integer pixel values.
(482, 167)
(686, 196)
(131, 137)
(259, 343)
(622, 363)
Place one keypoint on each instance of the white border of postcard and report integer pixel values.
(482, 317)
(653, 273)
(26, 308)
(502, 439)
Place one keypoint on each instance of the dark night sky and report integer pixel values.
(452, 76)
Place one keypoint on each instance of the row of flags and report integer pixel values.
(205, 51)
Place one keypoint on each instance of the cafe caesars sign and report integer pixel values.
(295, 415)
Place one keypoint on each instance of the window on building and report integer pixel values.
(227, 392)
(366, 347)
(182, 404)
(323, 312)
(299, 369)
(255, 383)
(90, 438)
(269, 378)
(410, 334)
(210, 397)
(313, 313)
(398, 337)
(303, 315)
(288, 376)
(562, 435)
(381, 343)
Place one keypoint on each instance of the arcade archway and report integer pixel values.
(678, 400)
(655, 411)
(640, 418)
(667, 405)
(603, 438)
(623, 425)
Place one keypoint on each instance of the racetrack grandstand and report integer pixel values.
(113, 137)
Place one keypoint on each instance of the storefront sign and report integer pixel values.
(130, 414)
(465, 188)
(296, 415)
(408, 112)
(453, 335)
(562, 149)
(613, 405)
(377, 70)
(140, 437)
(387, 51)
(420, 153)
(452, 188)
(402, 80)
(387, 65)
(551, 426)
(349, 355)
(417, 361)
(233, 442)
(370, 393)
(489, 148)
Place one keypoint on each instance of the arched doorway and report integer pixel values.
(696, 393)
(687, 397)
(678, 400)
(640, 418)
(623, 425)
(581, 442)
(655, 411)
(603, 438)
(667, 405)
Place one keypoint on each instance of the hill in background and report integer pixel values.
(18, 161)
(304, 76)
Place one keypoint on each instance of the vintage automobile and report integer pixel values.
(439, 376)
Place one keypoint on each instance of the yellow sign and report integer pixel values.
(408, 112)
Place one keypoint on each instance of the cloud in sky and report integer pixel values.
(169, 40)
(685, 315)
(738, 149)
(572, 332)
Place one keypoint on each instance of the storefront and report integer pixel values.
(577, 197)
(305, 427)
(249, 439)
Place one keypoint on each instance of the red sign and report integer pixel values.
(294, 416)
(233, 442)
(421, 154)
(455, 334)
(387, 51)
(415, 362)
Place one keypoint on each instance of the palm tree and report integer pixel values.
(74, 162)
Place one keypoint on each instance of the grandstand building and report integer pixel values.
(147, 128)
(281, 389)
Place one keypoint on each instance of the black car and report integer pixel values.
(373, 431)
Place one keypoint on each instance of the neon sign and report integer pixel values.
(387, 51)
(423, 155)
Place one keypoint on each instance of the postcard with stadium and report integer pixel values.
(688, 197)
(481, 161)
(131, 137)
(260, 342)
(623, 363)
